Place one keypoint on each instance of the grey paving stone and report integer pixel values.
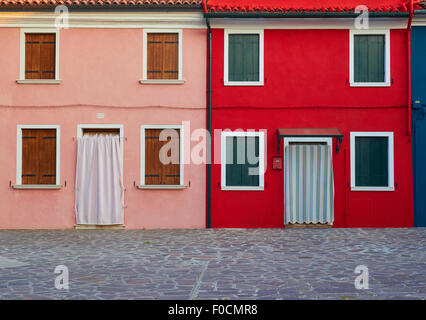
(214, 264)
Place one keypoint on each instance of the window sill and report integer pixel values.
(370, 84)
(37, 186)
(161, 187)
(372, 188)
(224, 188)
(38, 81)
(243, 83)
(171, 81)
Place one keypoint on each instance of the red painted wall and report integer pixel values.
(307, 75)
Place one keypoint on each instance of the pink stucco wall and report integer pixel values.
(100, 69)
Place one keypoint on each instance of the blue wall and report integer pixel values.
(418, 94)
(418, 67)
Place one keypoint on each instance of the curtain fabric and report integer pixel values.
(309, 186)
(99, 189)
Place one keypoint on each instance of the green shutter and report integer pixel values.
(243, 57)
(371, 161)
(238, 161)
(369, 58)
(251, 177)
(233, 169)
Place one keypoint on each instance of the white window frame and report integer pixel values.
(145, 56)
(181, 157)
(80, 131)
(22, 54)
(19, 151)
(389, 135)
(261, 136)
(387, 82)
(226, 81)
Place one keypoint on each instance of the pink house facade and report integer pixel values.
(100, 82)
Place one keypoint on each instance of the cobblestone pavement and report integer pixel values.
(214, 264)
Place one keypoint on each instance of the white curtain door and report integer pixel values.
(308, 185)
(99, 189)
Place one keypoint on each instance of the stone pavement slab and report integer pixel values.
(214, 264)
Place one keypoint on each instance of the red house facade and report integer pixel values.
(318, 101)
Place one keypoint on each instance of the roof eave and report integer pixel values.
(303, 14)
(103, 7)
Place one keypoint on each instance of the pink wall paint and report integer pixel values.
(100, 69)
(103, 67)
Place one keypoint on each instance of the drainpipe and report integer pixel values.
(209, 117)
(410, 20)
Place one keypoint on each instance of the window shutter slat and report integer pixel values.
(47, 56)
(29, 156)
(357, 58)
(32, 57)
(47, 156)
(28, 65)
(234, 168)
(170, 62)
(251, 58)
(235, 58)
(171, 171)
(252, 154)
(229, 145)
(152, 168)
(154, 55)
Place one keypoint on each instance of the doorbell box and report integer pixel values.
(277, 163)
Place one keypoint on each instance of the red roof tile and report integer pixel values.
(306, 5)
(98, 3)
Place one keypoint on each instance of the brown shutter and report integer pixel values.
(47, 156)
(40, 56)
(38, 156)
(171, 171)
(32, 56)
(47, 56)
(29, 156)
(155, 171)
(162, 56)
